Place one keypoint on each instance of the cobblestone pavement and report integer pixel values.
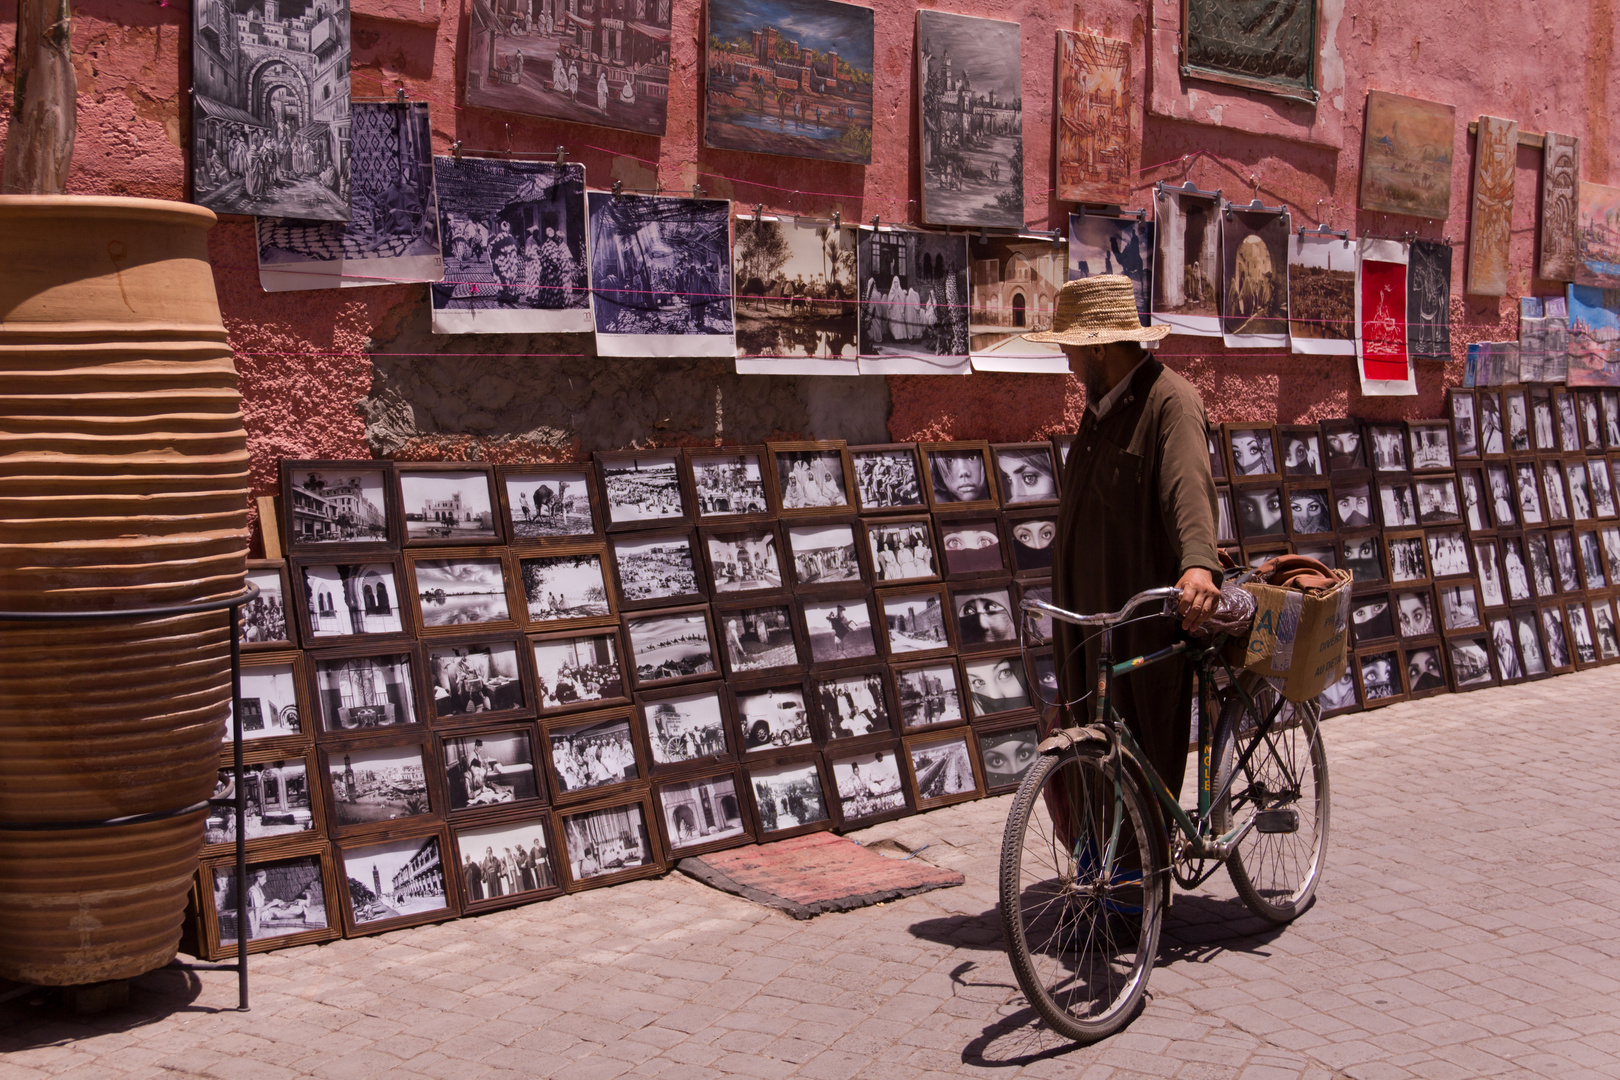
(1469, 926)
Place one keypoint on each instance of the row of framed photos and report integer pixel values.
(367, 507)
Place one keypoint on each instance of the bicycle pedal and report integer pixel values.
(1276, 821)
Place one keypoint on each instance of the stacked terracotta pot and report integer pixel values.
(123, 483)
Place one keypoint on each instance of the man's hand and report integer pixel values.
(1198, 598)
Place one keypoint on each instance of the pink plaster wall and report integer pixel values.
(301, 355)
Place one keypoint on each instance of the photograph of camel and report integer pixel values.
(790, 77)
(914, 302)
(795, 306)
(603, 62)
(970, 107)
(1254, 300)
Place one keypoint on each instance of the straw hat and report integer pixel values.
(1095, 311)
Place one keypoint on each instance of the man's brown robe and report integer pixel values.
(1138, 510)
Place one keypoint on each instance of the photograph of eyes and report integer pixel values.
(971, 546)
(1032, 543)
(1260, 512)
(1308, 512)
(958, 476)
(1252, 453)
(984, 616)
(996, 686)
(1027, 475)
(1371, 620)
(1354, 504)
(1344, 450)
(1008, 755)
(1302, 455)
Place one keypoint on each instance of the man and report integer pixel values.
(1137, 511)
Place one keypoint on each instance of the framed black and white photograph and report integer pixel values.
(984, 616)
(1341, 696)
(360, 691)
(789, 797)
(971, 545)
(888, 477)
(942, 769)
(1532, 653)
(1322, 549)
(1430, 444)
(394, 883)
(272, 692)
(1346, 451)
(448, 504)
(278, 802)
(657, 569)
(758, 638)
(505, 862)
(1509, 665)
(1502, 489)
(811, 477)
(1586, 405)
(902, 549)
(1397, 501)
(970, 169)
(1564, 560)
(686, 725)
(287, 904)
(744, 559)
(337, 505)
(1030, 535)
(1006, 752)
(1580, 491)
(1253, 452)
(475, 680)
(1353, 504)
(1308, 509)
(1559, 657)
(671, 646)
(1610, 535)
(702, 814)
(839, 630)
(854, 704)
(491, 768)
(929, 694)
(1569, 433)
(1464, 427)
(1529, 493)
(960, 476)
(661, 275)
(1302, 450)
(1437, 499)
(1388, 442)
(352, 600)
(869, 785)
(913, 317)
(1471, 489)
(1425, 669)
(608, 844)
(1217, 457)
(914, 622)
(1459, 606)
(1603, 501)
(1372, 619)
(567, 587)
(1492, 586)
(1470, 658)
(460, 591)
(1492, 440)
(266, 622)
(823, 553)
(641, 488)
(773, 716)
(1037, 625)
(1414, 610)
(1260, 512)
(1382, 676)
(1604, 629)
(1592, 567)
(377, 784)
(996, 684)
(730, 483)
(591, 753)
(1517, 420)
(1027, 473)
(1543, 421)
(1609, 402)
(574, 670)
(1579, 625)
(1225, 519)
(545, 502)
(1539, 561)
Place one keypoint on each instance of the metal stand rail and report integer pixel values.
(232, 604)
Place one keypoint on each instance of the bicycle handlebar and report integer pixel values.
(1169, 593)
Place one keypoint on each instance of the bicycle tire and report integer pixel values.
(1275, 873)
(1077, 984)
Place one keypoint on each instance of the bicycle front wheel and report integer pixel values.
(1080, 893)
(1280, 782)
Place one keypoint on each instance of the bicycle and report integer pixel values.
(1086, 850)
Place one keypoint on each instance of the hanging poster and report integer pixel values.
(1594, 335)
(1560, 196)
(1543, 340)
(1254, 290)
(914, 302)
(1428, 300)
(1014, 291)
(393, 235)
(1098, 137)
(514, 236)
(1382, 360)
(604, 64)
(1496, 151)
(1597, 237)
(790, 77)
(1322, 295)
(970, 108)
(1101, 244)
(1406, 156)
(661, 275)
(795, 305)
(270, 107)
(1186, 279)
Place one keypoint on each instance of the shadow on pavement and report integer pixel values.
(38, 1017)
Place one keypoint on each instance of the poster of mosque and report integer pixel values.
(514, 247)
(270, 108)
(790, 77)
(393, 235)
(603, 62)
(970, 108)
(1013, 285)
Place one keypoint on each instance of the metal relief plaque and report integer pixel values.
(1267, 44)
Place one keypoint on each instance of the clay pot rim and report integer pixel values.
(60, 206)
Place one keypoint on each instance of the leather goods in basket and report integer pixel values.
(1300, 634)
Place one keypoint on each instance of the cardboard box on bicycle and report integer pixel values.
(1300, 638)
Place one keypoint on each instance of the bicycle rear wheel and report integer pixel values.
(1080, 893)
(1283, 787)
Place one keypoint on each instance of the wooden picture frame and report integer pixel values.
(782, 794)
(816, 562)
(831, 625)
(451, 591)
(1601, 484)
(481, 764)
(1579, 488)
(688, 727)
(295, 870)
(730, 484)
(1474, 497)
(1006, 750)
(1355, 505)
(284, 803)
(1461, 610)
(1538, 563)
(1300, 452)
(1462, 413)
(1030, 536)
(1372, 618)
(995, 684)
(649, 570)
(369, 762)
(1470, 661)
(1262, 516)
(358, 689)
(702, 799)
(569, 676)
(856, 704)
(760, 637)
(1531, 641)
(1578, 628)
(1343, 696)
(912, 616)
(490, 831)
(551, 503)
(445, 504)
(1438, 500)
(972, 545)
(1449, 553)
(1509, 665)
(960, 476)
(934, 768)
(1309, 509)
(1324, 549)
(931, 694)
(983, 614)
(1038, 628)
(608, 842)
(813, 478)
(1217, 455)
(1386, 442)
(472, 679)
(775, 715)
(1565, 560)
(1061, 445)
(1609, 403)
(1543, 421)
(335, 600)
(1516, 420)
(1026, 474)
(1380, 676)
(652, 630)
(1043, 677)
(1493, 442)
(1493, 590)
(539, 573)
(1501, 494)
(333, 511)
(868, 784)
(1589, 557)
(744, 560)
(575, 773)
(1416, 614)
(1226, 531)
(1251, 453)
(642, 489)
(1397, 502)
(1530, 502)
(897, 548)
(269, 621)
(888, 478)
(1569, 425)
(1605, 627)
(1305, 87)
(1426, 667)
(1587, 408)
(275, 692)
(1346, 447)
